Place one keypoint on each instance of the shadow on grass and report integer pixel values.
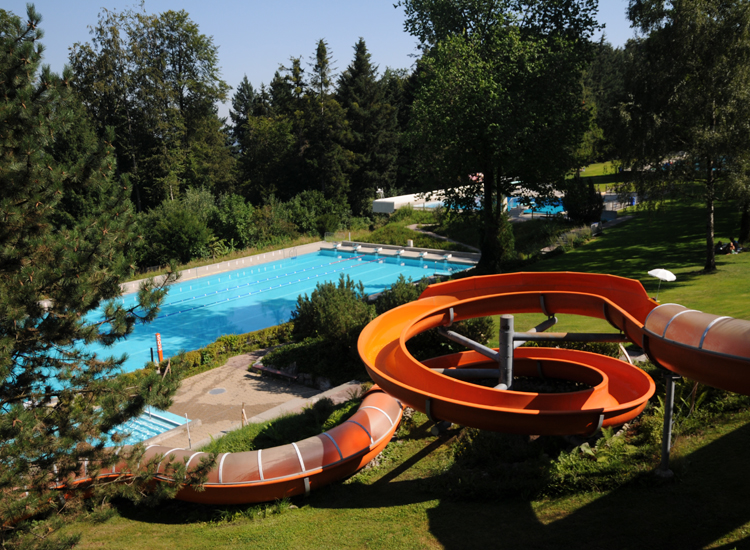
(708, 501)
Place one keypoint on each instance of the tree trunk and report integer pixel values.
(710, 191)
(745, 222)
(497, 241)
(490, 260)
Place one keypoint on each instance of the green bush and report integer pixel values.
(327, 325)
(327, 223)
(337, 313)
(431, 343)
(401, 292)
(231, 342)
(191, 359)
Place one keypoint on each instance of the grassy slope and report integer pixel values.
(404, 503)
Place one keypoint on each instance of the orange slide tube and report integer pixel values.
(713, 350)
(288, 470)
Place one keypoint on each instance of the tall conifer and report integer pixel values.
(372, 125)
(57, 399)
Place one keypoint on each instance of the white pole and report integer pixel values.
(187, 424)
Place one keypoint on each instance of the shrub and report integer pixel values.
(401, 292)
(327, 223)
(230, 342)
(327, 323)
(173, 233)
(431, 343)
(191, 359)
(337, 313)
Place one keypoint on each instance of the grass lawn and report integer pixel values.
(600, 169)
(414, 498)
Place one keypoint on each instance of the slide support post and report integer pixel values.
(505, 352)
(666, 438)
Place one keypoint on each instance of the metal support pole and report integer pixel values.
(666, 438)
(469, 343)
(541, 327)
(588, 337)
(505, 351)
(468, 374)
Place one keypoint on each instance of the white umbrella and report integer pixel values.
(662, 275)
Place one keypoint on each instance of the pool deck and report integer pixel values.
(264, 398)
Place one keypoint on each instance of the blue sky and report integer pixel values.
(254, 36)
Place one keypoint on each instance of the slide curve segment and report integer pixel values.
(706, 348)
(288, 470)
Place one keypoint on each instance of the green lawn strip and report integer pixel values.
(398, 235)
(599, 169)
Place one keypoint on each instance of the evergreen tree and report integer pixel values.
(324, 131)
(267, 164)
(242, 108)
(57, 399)
(287, 91)
(372, 126)
(281, 93)
(400, 87)
(262, 102)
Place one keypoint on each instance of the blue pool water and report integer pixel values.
(197, 311)
(151, 423)
(552, 208)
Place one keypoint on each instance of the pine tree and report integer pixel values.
(324, 131)
(372, 123)
(242, 108)
(287, 90)
(56, 398)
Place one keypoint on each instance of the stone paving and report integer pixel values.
(216, 397)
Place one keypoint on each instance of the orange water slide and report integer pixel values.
(288, 470)
(706, 348)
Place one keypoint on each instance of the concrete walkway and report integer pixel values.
(215, 399)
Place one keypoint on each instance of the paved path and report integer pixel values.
(215, 398)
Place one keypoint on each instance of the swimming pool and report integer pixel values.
(150, 423)
(551, 208)
(196, 312)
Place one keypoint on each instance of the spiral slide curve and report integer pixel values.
(710, 349)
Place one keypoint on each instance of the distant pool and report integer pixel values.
(552, 208)
(196, 312)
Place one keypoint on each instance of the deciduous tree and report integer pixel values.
(689, 84)
(500, 94)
